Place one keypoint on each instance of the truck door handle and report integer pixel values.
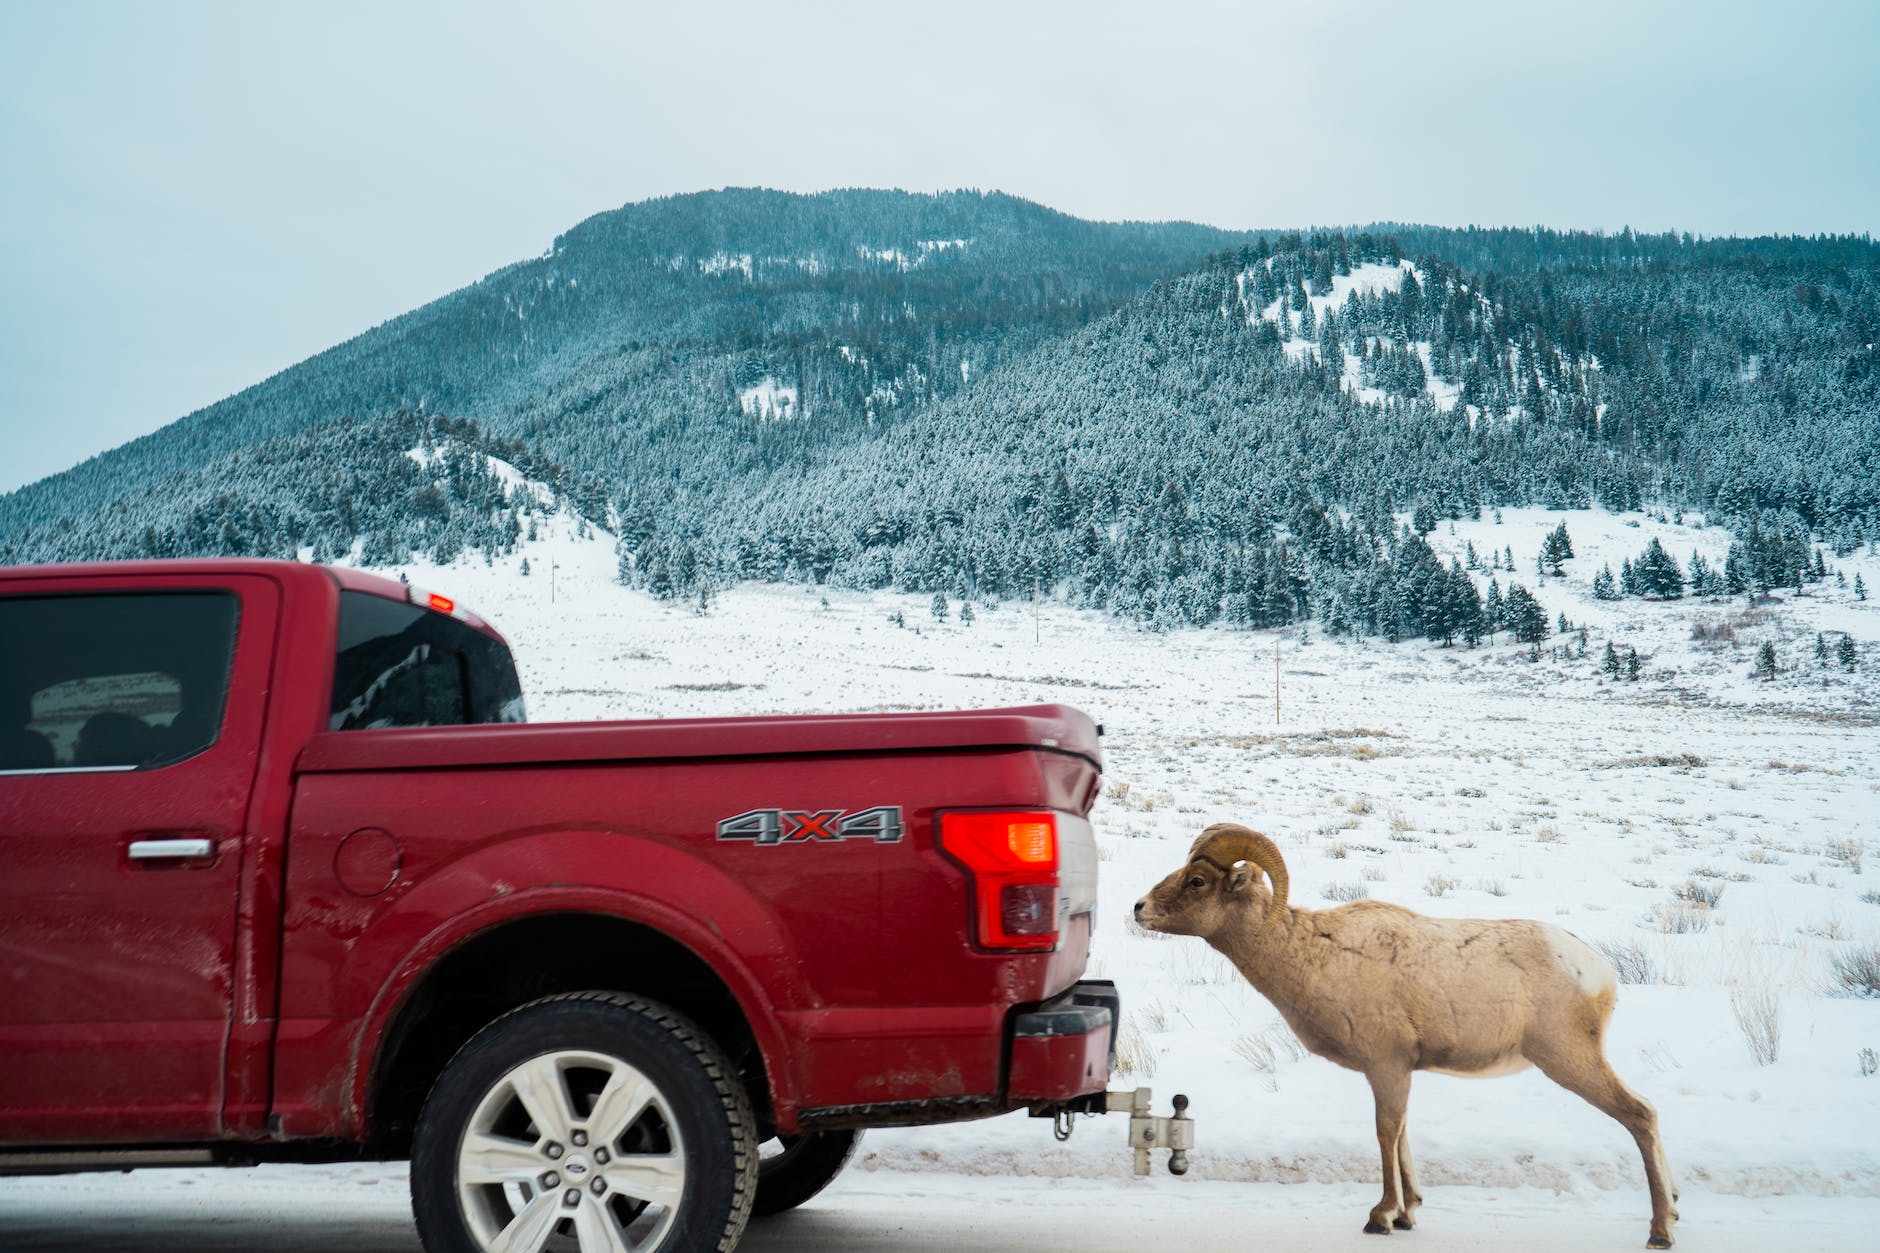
(172, 850)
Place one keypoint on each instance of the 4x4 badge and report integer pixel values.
(881, 824)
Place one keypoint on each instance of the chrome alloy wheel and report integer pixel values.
(571, 1151)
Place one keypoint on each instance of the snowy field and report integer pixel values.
(1456, 782)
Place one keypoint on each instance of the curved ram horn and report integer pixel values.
(1225, 843)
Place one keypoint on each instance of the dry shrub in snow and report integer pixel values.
(1679, 917)
(1266, 1049)
(1848, 852)
(1353, 891)
(1869, 1062)
(1705, 894)
(1630, 959)
(1758, 1010)
(1856, 972)
(1134, 1054)
(1441, 885)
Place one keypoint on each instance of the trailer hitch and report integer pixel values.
(1147, 1131)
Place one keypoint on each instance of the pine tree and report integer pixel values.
(1524, 615)
(1847, 652)
(939, 607)
(966, 613)
(1603, 586)
(1766, 661)
(1821, 648)
(1610, 664)
(1703, 581)
(1657, 572)
(1556, 548)
(1493, 611)
(1860, 588)
(1631, 665)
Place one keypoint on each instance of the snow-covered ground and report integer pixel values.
(1457, 782)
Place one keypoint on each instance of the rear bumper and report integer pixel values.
(1064, 1049)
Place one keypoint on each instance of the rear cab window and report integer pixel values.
(402, 665)
(113, 681)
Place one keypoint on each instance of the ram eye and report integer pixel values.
(1197, 883)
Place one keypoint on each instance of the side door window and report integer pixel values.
(113, 682)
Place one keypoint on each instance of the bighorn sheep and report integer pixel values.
(1385, 992)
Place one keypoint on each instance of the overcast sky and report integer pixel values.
(195, 195)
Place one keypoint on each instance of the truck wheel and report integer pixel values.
(792, 1169)
(594, 1121)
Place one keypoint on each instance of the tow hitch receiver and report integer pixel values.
(1147, 1132)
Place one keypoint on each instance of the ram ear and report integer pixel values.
(1240, 876)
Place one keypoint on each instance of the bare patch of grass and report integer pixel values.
(1831, 929)
(1494, 887)
(1356, 890)
(1441, 885)
(1372, 872)
(1872, 898)
(1338, 851)
(1705, 894)
(1673, 761)
(1362, 805)
(1548, 833)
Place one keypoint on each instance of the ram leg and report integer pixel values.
(1601, 1088)
(1392, 1093)
(1407, 1186)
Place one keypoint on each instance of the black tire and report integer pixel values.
(800, 1167)
(690, 1146)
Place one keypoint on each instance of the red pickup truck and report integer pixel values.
(284, 877)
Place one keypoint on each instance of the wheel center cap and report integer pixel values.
(576, 1166)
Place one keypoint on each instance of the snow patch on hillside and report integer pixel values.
(724, 263)
(768, 401)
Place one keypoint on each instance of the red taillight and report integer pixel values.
(443, 604)
(1013, 860)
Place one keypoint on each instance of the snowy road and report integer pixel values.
(363, 1209)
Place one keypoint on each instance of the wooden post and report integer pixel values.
(1276, 643)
